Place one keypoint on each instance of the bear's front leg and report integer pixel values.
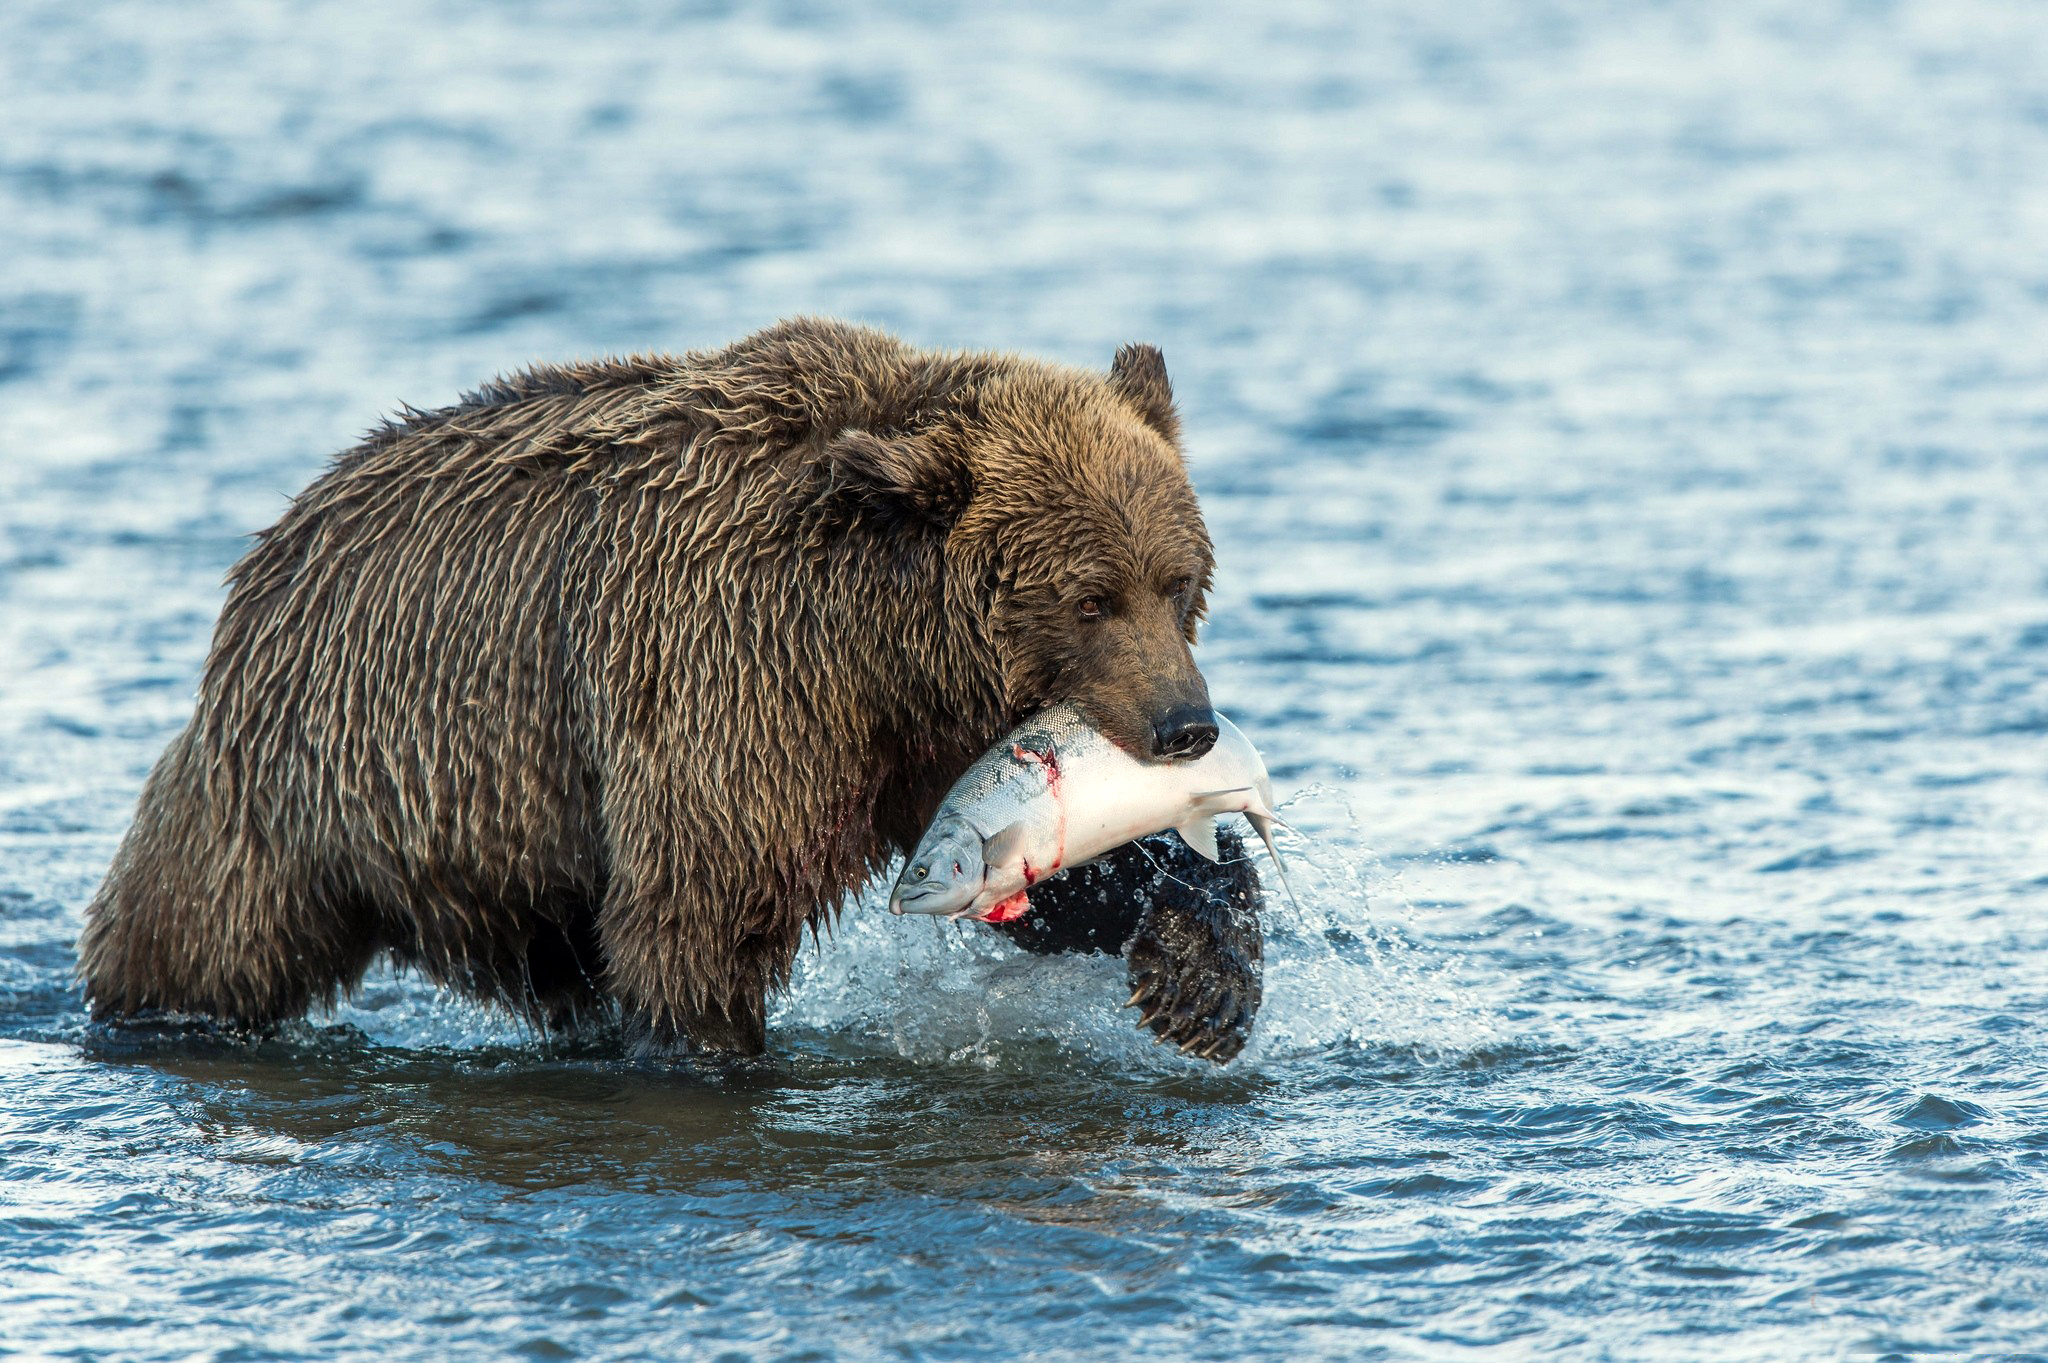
(1188, 927)
(1196, 958)
(698, 1033)
(711, 1000)
(691, 949)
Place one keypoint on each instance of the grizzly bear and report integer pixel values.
(593, 690)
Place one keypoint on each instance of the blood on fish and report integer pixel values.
(1032, 875)
(1052, 788)
(1016, 906)
(1049, 760)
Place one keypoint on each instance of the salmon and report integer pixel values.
(1055, 793)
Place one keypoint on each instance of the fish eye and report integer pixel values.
(921, 872)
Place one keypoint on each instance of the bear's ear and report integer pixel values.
(1139, 378)
(904, 477)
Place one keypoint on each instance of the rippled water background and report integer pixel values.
(1625, 430)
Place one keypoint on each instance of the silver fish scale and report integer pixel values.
(1059, 730)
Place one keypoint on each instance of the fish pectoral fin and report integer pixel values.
(1200, 834)
(1001, 847)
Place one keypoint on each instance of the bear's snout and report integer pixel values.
(1184, 733)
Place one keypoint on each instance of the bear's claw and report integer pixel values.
(1195, 966)
(1187, 926)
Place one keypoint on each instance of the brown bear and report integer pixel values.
(602, 684)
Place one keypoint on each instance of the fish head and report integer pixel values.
(944, 873)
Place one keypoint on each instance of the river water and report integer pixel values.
(1625, 431)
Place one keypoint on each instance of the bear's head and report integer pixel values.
(1076, 561)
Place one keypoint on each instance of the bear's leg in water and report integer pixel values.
(209, 911)
(708, 1031)
(689, 945)
(1188, 927)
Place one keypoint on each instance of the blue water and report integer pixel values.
(1625, 431)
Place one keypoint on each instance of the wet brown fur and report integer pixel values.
(603, 683)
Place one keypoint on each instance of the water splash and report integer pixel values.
(399, 1008)
(1346, 968)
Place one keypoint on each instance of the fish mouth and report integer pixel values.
(916, 899)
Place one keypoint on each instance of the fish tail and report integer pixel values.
(1263, 822)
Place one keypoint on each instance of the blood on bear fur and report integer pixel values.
(600, 685)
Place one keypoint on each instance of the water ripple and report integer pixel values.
(1622, 431)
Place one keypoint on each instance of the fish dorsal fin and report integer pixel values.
(1200, 834)
(998, 848)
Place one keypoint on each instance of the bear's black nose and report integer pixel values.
(1184, 733)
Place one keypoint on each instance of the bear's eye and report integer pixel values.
(1091, 608)
(1180, 586)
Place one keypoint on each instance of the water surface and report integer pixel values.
(1625, 431)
